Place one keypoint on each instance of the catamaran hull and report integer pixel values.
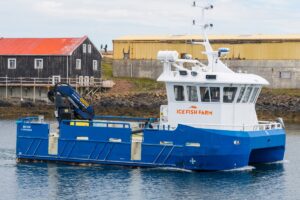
(186, 147)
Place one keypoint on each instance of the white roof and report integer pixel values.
(221, 78)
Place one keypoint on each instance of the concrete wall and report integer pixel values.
(272, 70)
(137, 68)
(27, 93)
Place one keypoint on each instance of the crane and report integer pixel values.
(69, 104)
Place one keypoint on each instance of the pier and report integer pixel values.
(35, 88)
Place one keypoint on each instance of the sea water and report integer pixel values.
(280, 180)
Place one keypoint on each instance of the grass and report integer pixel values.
(145, 84)
(107, 72)
(140, 84)
(289, 92)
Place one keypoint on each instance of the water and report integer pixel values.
(53, 181)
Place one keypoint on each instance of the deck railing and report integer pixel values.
(261, 126)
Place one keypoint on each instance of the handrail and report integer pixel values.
(49, 81)
(92, 123)
(127, 118)
(27, 119)
(254, 127)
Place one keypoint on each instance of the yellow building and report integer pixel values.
(250, 47)
(266, 55)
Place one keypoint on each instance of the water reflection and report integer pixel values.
(43, 181)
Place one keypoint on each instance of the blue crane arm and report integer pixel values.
(80, 106)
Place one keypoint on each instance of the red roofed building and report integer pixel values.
(48, 57)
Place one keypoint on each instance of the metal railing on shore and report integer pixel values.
(16, 86)
(81, 81)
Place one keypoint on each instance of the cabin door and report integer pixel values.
(55, 80)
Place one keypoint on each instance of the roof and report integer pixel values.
(211, 37)
(39, 46)
(222, 78)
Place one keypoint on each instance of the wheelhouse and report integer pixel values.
(208, 96)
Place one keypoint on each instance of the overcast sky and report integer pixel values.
(104, 20)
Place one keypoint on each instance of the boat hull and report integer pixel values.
(186, 147)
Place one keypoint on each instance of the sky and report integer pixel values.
(105, 20)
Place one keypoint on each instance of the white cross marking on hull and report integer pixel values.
(193, 161)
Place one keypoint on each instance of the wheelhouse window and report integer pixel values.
(38, 63)
(78, 64)
(204, 92)
(254, 94)
(215, 94)
(229, 94)
(192, 93)
(12, 63)
(241, 94)
(179, 92)
(247, 94)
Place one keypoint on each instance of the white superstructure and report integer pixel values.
(208, 96)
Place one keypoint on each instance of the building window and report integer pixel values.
(179, 92)
(229, 94)
(95, 65)
(192, 93)
(285, 75)
(38, 63)
(89, 48)
(78, 64)
(84, 48)
(12, 63)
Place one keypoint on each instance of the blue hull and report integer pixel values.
(186, 147)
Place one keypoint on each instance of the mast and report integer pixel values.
(214, 63)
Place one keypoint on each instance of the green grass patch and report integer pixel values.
(289, 92)
(107, 72)
(145, 84)
(140, 84)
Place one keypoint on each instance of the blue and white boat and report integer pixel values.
(210, 123)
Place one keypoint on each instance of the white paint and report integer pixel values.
(238, 114)
(82, 138)
(193, 161)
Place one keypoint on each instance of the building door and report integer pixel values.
(55, 80)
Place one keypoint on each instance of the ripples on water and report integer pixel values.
(52, 181)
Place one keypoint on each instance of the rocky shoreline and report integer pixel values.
(269, 106)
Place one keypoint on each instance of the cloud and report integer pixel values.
(157, 13)
(106, 20)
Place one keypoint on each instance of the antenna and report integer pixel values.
(203, 8)
(204, 26)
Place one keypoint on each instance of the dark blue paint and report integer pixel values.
(217, 150)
